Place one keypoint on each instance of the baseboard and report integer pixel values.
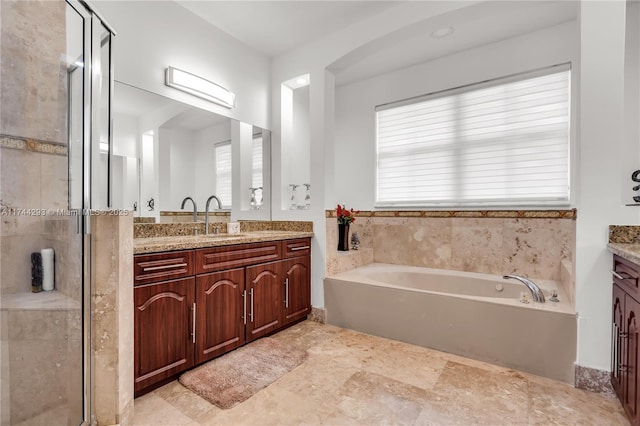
(594, 380)
(318, 315)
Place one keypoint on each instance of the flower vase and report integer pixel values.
(343, 237)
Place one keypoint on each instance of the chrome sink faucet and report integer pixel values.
(538, 295)
(206, 212)
(195, 209)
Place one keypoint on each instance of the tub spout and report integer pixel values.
(538, 295)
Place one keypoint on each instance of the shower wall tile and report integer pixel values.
(5, 407)
(33, 77)
(20, 225)
(40, 352)
(54, 181)
(21, 177)
(16, 262)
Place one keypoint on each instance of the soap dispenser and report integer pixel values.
(293, 205)
(307, 197)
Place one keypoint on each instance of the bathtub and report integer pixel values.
(475, 315)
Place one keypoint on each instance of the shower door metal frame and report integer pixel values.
(92, 39)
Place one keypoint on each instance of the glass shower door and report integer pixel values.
(46, 83)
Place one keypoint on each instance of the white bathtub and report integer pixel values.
(470, 314)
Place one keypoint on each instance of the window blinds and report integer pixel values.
(223, 173)
(505, 142)
(256, 162)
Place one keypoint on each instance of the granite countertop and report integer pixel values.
(631, 252)
(160, 244)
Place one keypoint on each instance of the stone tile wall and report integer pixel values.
(540, 246)
(112, 322)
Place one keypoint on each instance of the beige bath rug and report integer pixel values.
(236, 376)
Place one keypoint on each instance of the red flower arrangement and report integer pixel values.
(345, 217)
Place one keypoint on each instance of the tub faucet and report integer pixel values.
(195, 209)
(206, 212)
(538, 295)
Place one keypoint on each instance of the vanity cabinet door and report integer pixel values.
(264, 285)
(631, 376)
(618, 341)
(297, 298)
(220, 313)
(163, 325)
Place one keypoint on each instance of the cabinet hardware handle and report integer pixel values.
(157, 268)
(244, 306)
(286, 293)
(193, 335)
(300, 248)
(614, 347)
(251, 311)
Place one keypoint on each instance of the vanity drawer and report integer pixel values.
(229, 257)
(296, 248)
(148, 268)
(626, 274)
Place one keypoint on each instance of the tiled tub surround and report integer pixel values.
(537, 244)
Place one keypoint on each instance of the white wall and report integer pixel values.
(177, 165)
(604, 159)
(355, 158)
(205, 174)
(152, 35)
(314, 59)
(125, 135)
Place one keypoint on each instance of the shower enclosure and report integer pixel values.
(55, 86)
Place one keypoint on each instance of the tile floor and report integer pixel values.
(357, 379)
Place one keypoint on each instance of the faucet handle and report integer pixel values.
(554, 296)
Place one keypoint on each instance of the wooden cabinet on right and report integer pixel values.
(625, 356)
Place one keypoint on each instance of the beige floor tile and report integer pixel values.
(376, 400)
(189, 403)
(352, 378)
(307, 334)
(561, 404)
(152, 410)
(469, 395)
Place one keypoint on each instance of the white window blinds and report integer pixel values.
(256, 162)
(501, 143)
(223, 173)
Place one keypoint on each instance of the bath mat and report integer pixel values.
(236, 376)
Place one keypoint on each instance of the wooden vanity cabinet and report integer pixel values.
(297, 275)
(265, 290)
(163, 331)
(234, 294)
(219, 313)
(625, 376)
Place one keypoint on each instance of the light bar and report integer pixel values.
(199, 87)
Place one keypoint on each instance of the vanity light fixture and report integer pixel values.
(200, 87)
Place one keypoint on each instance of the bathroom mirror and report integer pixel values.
(165, 150)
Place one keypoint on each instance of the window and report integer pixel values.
(256, 161)
(498, 143)
(223, 173)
